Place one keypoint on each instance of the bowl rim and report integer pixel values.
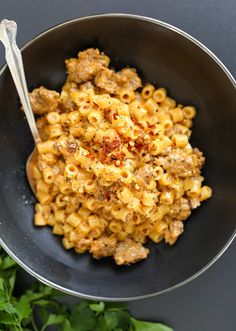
(230, 240)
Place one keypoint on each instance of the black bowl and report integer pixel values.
(193, 75)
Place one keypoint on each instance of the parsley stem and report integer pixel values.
(33, 324)
(19, 327)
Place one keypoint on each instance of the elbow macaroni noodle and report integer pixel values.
(115, 161)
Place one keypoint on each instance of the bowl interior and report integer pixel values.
(191, 76)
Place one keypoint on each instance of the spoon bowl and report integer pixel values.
(29, 169)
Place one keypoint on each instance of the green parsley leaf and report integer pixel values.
(5, 305)
(43, 314)
(2, 282)
(9, 308)
(97, 307)
(7, 263)
(82, 317)
(11, 282)
(3, 299)
(53, 319)
(148, 326)
(124, 319)
(7, 319)
(48, 303)
(108, 322)
(23, 308)
(67, 326)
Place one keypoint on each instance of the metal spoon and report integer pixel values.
(8, 30)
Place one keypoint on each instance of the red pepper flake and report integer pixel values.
(139, 145)
(133, 119)
(108, 195)
(114, 116)
(126, 140)
(120, 135)
(103, 154)
(129, 148)
(111, 145)
(151, 126)
(142, 126)
(116, 143)
(90, 156)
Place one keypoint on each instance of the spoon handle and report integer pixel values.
(8, 30)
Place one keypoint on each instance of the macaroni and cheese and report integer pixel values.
(115, 166)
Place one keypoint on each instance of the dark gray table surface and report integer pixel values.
(209, 302)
